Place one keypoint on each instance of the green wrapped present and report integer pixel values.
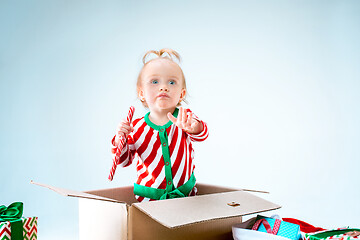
(341, 233)
(15, 227)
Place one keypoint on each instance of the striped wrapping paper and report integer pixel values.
(336, 234)
(29, 229)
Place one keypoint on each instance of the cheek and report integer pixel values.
(149, 91)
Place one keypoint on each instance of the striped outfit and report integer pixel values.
(152, 144)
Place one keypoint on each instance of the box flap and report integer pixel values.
(184, 211)
(121, 194)
(204, 188)
(72, 193)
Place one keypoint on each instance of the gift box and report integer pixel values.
(277, 227)
(15, 227)
(347, 233)
(243, 231)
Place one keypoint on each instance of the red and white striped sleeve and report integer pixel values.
(203, 134)
(127, 153)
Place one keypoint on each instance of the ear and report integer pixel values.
(140, 94)
(183, 93)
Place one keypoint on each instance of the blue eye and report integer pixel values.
(154, 81)
(171, 82)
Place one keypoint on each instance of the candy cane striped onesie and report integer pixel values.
(144, 142)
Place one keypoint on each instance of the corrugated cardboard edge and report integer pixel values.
(226, 188)
(201, 221)
(128, 222)
(208, 220)
(72, 193)
(186, 224)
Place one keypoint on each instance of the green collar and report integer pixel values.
(157, 127)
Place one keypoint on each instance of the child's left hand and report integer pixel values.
(186, 121)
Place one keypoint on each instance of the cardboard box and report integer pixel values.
(115, 214)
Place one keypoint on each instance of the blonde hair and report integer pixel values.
(164, 53)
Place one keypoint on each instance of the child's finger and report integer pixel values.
(182, 123)
(185, 116)
(180, 115)
(184, 119)
(126, 127)
(121, 126)
(123, 123)
(190, 120)
(171, 117)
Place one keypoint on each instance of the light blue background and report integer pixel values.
(276, 81)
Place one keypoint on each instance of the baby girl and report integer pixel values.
(162, 139)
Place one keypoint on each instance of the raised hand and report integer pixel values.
(186, 122)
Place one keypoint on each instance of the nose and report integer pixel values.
(163, 88)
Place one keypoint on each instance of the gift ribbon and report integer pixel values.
(13, 214)
(267, 225)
